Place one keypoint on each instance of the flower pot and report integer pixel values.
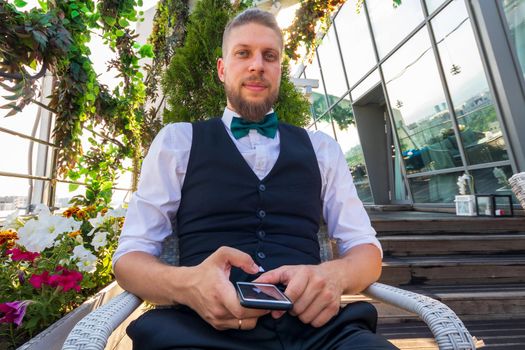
(54, 336)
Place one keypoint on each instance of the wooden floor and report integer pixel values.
(497, 335)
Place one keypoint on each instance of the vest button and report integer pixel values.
(261, 214)
(261, 234)
(261, 255)
(262, 187)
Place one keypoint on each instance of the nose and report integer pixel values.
(257, 63)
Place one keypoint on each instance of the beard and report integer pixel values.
(252, 111)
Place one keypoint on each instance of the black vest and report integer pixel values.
(224, 203)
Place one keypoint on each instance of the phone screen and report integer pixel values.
(261, 291)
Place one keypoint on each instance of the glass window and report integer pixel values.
(318, 97)
(14, 153)
(420, 113)
(355, 41)
(333, 73)
(368, 83)
(473, 103)
(342, 114)
(434, 189)
(63, 194)
(432, 5)
(515, 16)
(324, 124)
(391, 24)
(13, 195)
(348, 139)
(493, 180)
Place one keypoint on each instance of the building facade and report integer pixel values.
(421, 93)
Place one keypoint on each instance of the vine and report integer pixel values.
(54, 38)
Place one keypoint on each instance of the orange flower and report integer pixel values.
(103, 211)
(69, 212)
(74, 234)
(8, 237)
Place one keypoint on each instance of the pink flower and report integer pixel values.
(38, 280)
(13, 312)
(66, 279)
(18, 255)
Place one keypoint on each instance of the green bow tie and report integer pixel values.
(267, 127)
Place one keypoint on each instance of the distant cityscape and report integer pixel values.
(9, 204)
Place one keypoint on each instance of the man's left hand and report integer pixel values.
(314, 289)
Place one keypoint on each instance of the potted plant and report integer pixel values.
(50, 264)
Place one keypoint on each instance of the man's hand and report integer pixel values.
(210, 293)
(314, 290)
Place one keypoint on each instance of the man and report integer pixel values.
(243, 201)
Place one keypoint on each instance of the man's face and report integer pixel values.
(251, 70)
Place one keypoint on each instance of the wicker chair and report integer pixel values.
(93, 331)
(517, 183)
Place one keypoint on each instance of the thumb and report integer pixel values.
(237, 258)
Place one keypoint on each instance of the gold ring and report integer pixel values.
(240, 323)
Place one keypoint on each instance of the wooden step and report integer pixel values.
(469, 302)
(496, 334)
(454, 269)
(490, 301)
(411, 222)
(418, 244)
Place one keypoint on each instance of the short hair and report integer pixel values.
(252, 15)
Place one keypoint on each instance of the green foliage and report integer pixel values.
(193, 89)
(54, 38)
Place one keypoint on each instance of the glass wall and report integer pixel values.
(319, 104)
(434, 84)
(421, 115)
(393, 23)
(348, 23)
(515, 16)
(469, 90)
(332, 67)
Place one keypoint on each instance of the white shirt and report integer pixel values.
(153, 208)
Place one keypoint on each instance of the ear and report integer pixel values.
(220, 68)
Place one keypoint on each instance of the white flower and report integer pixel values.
(12, 221)
(120, 212)
(87, 262)
(98, 221)
(99, 240)
(41, 209)
(39, 234)
(36, 237)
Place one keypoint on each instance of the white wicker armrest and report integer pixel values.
(94, 330)
(449, 331)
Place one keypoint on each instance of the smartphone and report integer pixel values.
(262, 296)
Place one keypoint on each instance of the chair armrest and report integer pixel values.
(94, 330)
(449, 331)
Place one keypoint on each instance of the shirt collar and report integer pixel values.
(228, 115)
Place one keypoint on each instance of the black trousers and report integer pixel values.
(182, 328)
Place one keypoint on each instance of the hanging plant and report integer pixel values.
(54, 38)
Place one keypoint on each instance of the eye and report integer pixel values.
(270, 56)
(241, 53)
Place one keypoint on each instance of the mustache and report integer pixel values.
(256, 79)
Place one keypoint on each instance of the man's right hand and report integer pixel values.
(210, 293)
